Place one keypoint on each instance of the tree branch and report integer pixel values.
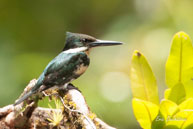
(75, 113)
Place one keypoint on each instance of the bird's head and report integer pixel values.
(75, 40)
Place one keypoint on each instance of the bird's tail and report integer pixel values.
(24, 97)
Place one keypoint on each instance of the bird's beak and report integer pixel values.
(104, 43)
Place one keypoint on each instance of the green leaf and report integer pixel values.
(171, 127)
(180, 61)
(143, 82)
(145, 112)
(177, 93)
(159, 122)
(189, 127)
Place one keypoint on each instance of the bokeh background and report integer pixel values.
(33, 32)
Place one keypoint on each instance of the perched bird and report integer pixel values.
(69, 64)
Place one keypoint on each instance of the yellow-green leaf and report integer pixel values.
(179, 119)
(167, 93)
(177, 93)
(159, 122)
(179, 116)
(180, 61)
(168, 108)
(187, 104)
(188, 124)
(189, 88)
(187, 108)
(171, 127)
(145, 112)
(143, 82)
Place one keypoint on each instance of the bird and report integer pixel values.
(68, 65)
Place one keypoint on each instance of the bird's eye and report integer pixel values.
(86, 40)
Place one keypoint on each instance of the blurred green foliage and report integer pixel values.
(33, 32)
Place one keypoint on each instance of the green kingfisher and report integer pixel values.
(69, 64)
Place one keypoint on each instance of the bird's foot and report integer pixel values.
(47, 95)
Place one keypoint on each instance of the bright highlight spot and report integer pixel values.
(159, 40)
(114, 86)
